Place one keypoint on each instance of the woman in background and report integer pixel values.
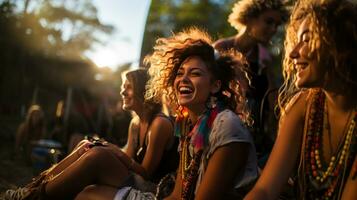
(256, 22)
(31, 130)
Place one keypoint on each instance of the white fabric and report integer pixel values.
(228, 128)
(129, 193)
(136, 188)
(121, 193)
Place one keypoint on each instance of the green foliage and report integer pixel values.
(166, 16)
(42, 45)
(72, 26)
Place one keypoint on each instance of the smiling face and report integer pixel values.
(310, 73)
(194, 83)
(265, 25)
(127, 93)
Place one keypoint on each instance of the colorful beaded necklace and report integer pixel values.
(192, 143)
(322, 178)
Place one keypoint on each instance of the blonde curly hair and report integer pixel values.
(333, 24)
(244, 10)
(228, 67)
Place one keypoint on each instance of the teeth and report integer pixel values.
(185, 89)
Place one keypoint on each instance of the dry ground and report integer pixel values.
(14, 171)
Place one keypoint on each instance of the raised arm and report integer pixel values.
(285, 153)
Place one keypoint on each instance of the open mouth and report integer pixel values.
(184, 90)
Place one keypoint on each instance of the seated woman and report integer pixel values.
(149, 129)
(30, 131)
(217, 154)
(317, 133)
(149, 153)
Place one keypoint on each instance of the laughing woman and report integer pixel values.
(217, 155)
(96, 170)
(317, 133)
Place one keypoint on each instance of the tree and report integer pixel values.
(70, 27)
(42, 46)
(166, 16)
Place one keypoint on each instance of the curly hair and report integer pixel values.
(333, 24)
(244, 10)
(139, 78)
(229, 67)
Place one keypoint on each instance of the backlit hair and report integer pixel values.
(333, 24)
(245, 10)
(170, 53)
(138, 79)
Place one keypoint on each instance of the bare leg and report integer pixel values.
(78, 151)
(98, 166)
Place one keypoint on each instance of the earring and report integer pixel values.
(211, 102)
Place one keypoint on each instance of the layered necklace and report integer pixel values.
(326, 177)
(192, 141)
(190, 162)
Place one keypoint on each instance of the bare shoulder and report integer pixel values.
(297, 104)
(292, 119)
(224, 44)
(162, 122)
(161, 129)
(135, 120)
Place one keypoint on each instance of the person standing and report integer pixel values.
(256, 22)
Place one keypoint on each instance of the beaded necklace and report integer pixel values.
(189, 169)
(192, 143)
(322, 178)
